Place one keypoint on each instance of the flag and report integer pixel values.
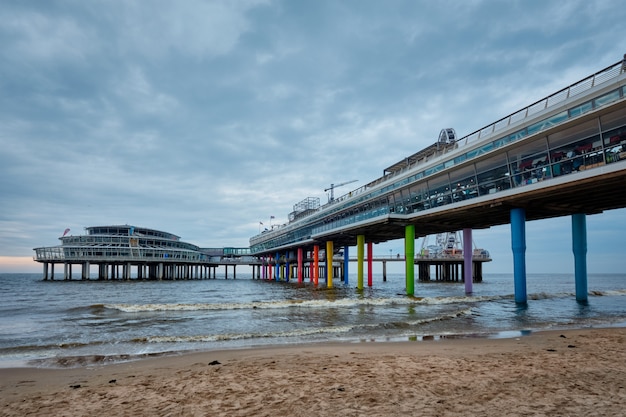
(272, 217)
(66, 231)
(261, 223)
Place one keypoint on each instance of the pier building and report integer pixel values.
(153, 254)
(563, 155)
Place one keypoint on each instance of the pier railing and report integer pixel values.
(129, 254)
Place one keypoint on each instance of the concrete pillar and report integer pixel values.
(518, 244)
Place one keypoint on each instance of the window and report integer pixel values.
(439, 191)
(463, 182)
(528, 162)
(582, 109)
(549, 122)
(492, 175)
(607, 98)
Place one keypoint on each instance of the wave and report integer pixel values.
(297, 333)
(593, 293)
(80, 361)
(608, 293)
(283, 304)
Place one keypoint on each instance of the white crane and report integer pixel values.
(332, 188)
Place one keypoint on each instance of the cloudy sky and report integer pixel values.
(205, 118)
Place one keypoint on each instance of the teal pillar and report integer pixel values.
(409, 255)
(579, 246)
(518, 244)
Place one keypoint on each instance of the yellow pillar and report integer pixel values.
(360, 249)
(329, 264)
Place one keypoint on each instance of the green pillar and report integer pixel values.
(409, 253)
(360, 243)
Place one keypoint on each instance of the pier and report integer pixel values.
(122, 252)
(563, 155)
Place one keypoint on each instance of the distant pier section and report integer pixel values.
(122, 251)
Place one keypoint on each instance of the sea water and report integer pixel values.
(77, 323)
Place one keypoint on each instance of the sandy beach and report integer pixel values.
(561, 373)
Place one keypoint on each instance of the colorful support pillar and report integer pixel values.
(409, 255)
(370, 264)
(269, 268)
(360, 254)
(300, 266)
(262, 266)
(311, 266)
(518, 244)
(467, 260)
(316, 264)
(277, 267)
(579, 246)
(329, 264)
(346, 261)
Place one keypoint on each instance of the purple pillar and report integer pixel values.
(467, 259)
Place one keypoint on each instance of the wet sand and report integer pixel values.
(561, 373)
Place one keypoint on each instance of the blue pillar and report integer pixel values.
(277, 267)
(579, 245)
(468, 259)
(518, 244)
(346, 261)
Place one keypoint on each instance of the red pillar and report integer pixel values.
(300, 266)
